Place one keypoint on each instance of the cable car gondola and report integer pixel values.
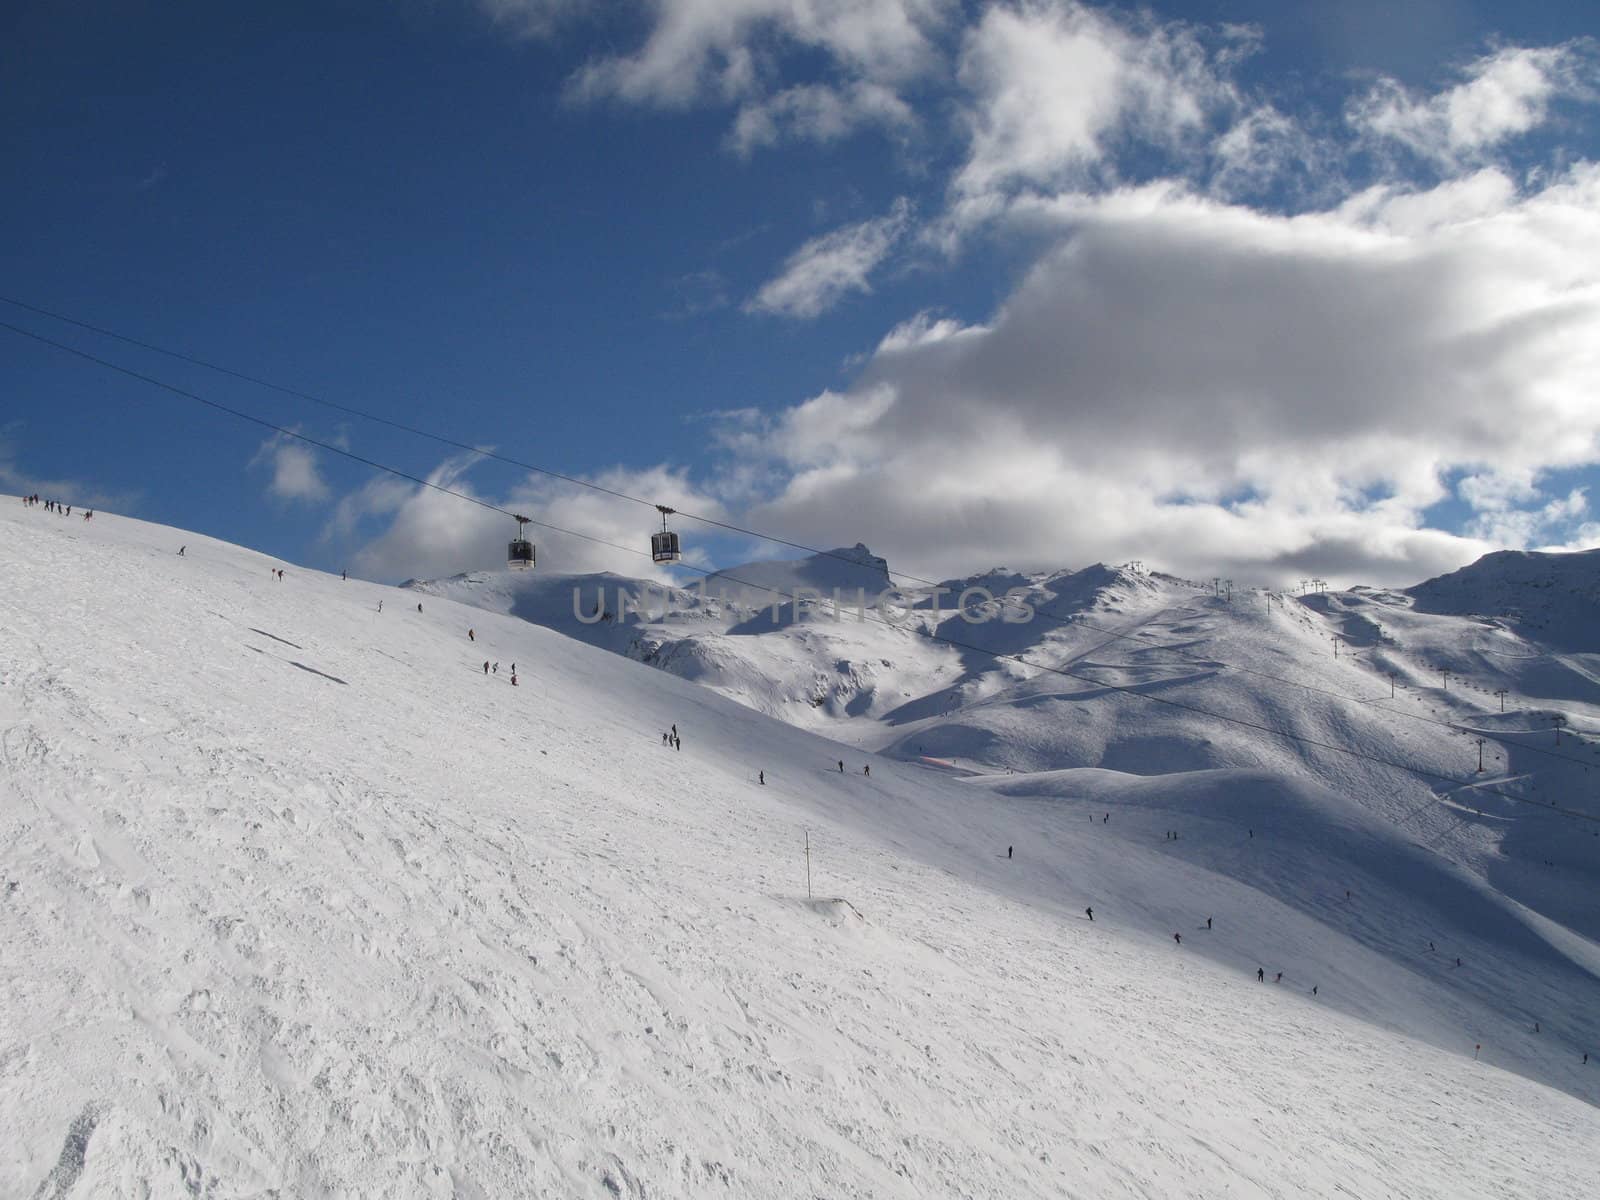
(519, 554)
(664, 545)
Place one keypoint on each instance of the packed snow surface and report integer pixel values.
(295, 900)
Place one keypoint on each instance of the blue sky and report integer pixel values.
(1218, 287)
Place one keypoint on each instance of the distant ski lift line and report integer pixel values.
(1129, 635)
(1418, 772)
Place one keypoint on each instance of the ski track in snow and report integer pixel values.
(417, 933)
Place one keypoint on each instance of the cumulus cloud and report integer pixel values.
(828, 268)
(1210, 386)
(1230, 350)
(1505, 94)
(296, 474)
(1054, 84)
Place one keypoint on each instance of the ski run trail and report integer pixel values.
(296, 901)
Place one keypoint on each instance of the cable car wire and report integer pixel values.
(1166, 701)
(296, 434)
(1502, 737)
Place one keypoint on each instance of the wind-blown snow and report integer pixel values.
(297, 901)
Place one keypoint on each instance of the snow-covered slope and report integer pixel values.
(1143, 673)
(297, 901)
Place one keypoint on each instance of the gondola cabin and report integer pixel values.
(664, 545)
(519, 552)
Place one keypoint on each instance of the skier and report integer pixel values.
(1178, 937)
(513, 679)
(841, 766)
(1278, 978)
(1536, 1027)
(761, 778)
(866, 769)
(1458, 962)
(181, 549)
(1090, 912)
(677, 742)
(674, 731)
(1105, 818)
(471, 636)
(1261, 975)
(666, 738)
(1430, 948)
(1252, 833)
(380, 605)
(486, 666)
(1009, 849)
(345, 575)
(419, 607)
(1313, 989)
(1208, 922)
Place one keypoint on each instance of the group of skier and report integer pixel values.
(54, 506)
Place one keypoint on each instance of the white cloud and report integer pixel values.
(817, 112)
(1178, 376)
(924, 329)
(1204, 385)
(1506, 94)
(296, 475)
(725, 49)
(1054, 84)
(826, 269)
(1265, 147)
(1585, 537)
(427, 534)
(1511, 510)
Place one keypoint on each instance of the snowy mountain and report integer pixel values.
(1553, 597)
(296, 900)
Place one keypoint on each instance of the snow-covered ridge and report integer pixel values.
(1553, 597)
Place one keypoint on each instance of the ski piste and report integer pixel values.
(295, 899)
